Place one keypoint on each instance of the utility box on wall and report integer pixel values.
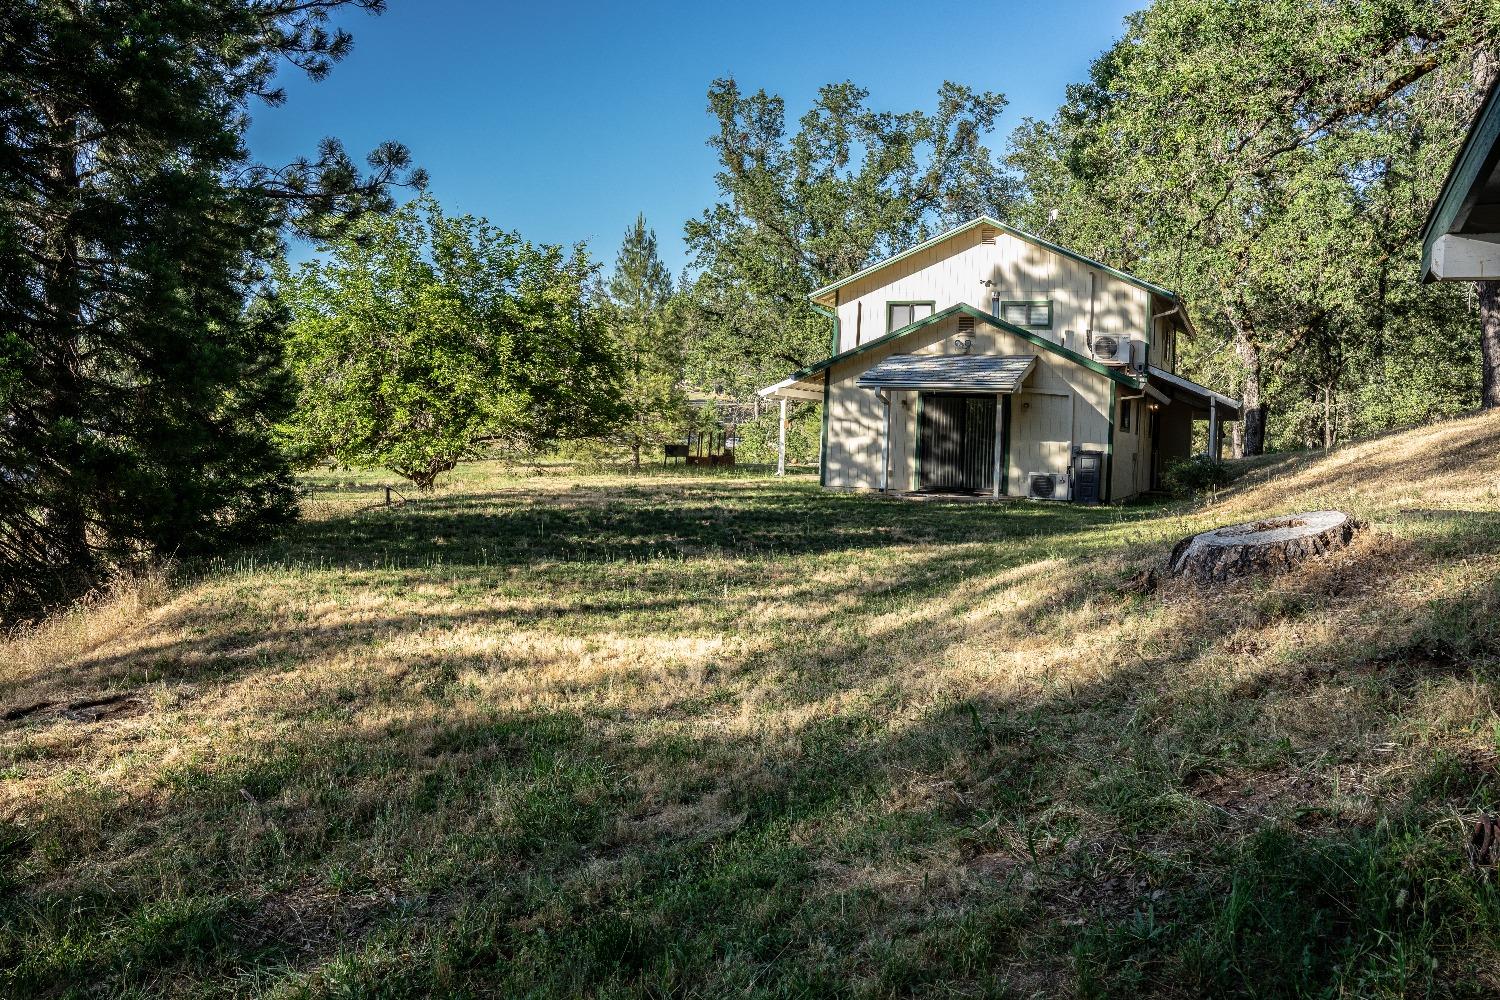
(1088, 476)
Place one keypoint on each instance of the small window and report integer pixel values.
(1125, 407)
(900, 314)
(1034, 314)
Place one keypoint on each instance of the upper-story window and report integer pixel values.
(899, 314)
(1035, 314)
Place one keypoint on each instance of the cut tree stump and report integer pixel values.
(1273, 545)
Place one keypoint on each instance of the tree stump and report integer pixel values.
(1271, 546)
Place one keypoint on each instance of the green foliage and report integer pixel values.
(1277, 172)
(796, 212)
(1197, 474)
(645, 324)
(803, 433)
(422, 338)
(138, 390)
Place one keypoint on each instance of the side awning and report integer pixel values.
(808, 388)
(950, 372)
(1191, 393)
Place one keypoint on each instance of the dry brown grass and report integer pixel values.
(613, 730)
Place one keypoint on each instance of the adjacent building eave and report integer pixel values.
(1449, 233)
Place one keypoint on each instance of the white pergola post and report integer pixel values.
(781, 441)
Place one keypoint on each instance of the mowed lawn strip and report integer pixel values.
(680, 734)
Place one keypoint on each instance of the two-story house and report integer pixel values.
(989, 361)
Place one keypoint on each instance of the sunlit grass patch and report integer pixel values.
(559, 733)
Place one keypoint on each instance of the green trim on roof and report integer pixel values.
(1478, 151)
(1020, 234)
(1114, 374)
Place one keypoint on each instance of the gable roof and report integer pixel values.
(1114, 374)
(985, 220)
(1476, 167)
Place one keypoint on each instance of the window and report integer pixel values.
(899, 314)
(1125, 407)
(1033, 313)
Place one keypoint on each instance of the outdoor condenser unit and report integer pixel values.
(1047, 486)
(1110, 349)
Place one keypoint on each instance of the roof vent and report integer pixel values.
(966, 324)
(988, 234)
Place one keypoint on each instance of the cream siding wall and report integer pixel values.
(1062, 405)
(955, 271)
(1132, 458)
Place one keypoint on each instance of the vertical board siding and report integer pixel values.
(856, 417)
(956, 271)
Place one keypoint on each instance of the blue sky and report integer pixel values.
(564, 120)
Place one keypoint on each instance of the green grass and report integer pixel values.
(675, 734)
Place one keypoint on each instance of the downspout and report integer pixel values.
(1089, 334)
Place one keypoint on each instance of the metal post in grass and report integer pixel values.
(781, 441)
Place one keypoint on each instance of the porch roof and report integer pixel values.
(1192, 393)
(952, 372)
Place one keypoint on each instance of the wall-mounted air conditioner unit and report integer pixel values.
(1047, 486)
(1110, 349)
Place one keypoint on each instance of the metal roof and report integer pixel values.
(1188, 385)
(954, 372)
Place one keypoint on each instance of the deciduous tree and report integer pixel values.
(421, 338)
(798, 211)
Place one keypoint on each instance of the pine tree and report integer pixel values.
(138, 383)
(647, 334)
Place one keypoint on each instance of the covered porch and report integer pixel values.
(957, 406)
(1183, 402)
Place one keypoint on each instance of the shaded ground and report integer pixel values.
(677, 735)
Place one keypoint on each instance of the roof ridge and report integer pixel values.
(1012, 230)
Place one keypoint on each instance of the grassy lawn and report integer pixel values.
(666, 735)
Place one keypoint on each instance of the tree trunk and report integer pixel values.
(1269, 546)
(1327, 419)
(635, 455)
(1489, 342)
(1254, 419)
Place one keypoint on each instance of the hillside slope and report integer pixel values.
(672, 735)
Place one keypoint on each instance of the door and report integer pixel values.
(956, 442)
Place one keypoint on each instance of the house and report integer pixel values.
(1461, 238)
(989, 361)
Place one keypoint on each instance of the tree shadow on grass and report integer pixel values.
(843, 843)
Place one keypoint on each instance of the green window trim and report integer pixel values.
(890, 304)
(997, 306)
